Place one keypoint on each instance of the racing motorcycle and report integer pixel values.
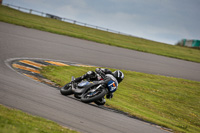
(91, 91)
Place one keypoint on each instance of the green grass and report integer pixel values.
(50, 25)
(166, 101)
(15, 121)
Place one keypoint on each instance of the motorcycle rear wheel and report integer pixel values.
(66, 89)
(88, 98)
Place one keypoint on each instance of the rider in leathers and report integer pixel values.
(116, 76)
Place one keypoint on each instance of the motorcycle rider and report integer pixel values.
(116, 76)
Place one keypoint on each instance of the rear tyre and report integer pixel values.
(66, 89)
(91, 96)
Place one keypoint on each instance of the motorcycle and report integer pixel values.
(90, 91)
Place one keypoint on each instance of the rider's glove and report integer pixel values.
(100, 72)
(109, 95)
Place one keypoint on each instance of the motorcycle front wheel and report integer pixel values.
(66, 89)
(92, 96)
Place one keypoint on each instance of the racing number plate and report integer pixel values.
(112, 86)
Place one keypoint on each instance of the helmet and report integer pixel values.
(118, 75)
(91, 74)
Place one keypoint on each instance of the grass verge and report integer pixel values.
(15, 121)
(50, 25)
(170, 102)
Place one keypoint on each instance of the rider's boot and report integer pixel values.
(101, 101)
(79, 79)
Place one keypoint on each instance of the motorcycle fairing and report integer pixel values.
(84, 83)
(84, 86)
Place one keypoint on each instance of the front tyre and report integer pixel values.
(66, 89)
(91, 96)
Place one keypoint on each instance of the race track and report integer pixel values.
(39, 99)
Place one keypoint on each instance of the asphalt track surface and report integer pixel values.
(39, 99)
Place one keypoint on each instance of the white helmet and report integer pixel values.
(118, 75)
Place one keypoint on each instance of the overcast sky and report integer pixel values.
(166, 21)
